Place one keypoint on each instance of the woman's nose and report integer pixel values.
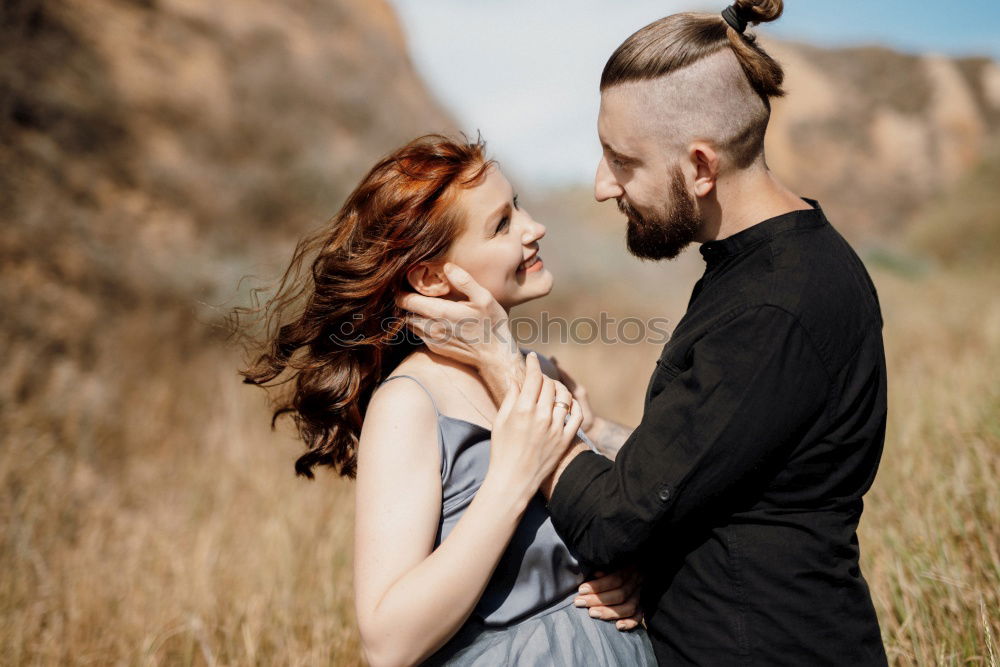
(534, 231)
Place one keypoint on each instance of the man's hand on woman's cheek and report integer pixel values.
(473, 330)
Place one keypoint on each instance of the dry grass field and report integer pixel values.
(174, 532)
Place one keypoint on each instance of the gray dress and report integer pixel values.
(526, 614)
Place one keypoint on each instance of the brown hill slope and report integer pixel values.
(873, 133)
(153, 149)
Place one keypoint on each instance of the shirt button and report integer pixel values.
(664, 494)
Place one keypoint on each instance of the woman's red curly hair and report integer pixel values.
(337, 330)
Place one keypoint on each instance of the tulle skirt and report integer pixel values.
(566, 636)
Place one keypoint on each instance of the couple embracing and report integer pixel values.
(499, 521)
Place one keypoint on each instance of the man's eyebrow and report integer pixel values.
(615, 153)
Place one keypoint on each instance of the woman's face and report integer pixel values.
(499, 246)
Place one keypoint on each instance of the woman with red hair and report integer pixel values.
(456, 560)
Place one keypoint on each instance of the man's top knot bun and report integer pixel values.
(758, 11)
(679, 40)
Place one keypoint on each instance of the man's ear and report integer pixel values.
(429, 279)
(705, 162)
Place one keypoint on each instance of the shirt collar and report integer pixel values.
(715, 251)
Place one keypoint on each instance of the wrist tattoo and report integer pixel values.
(609, 436)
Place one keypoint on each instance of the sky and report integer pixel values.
(525, 73)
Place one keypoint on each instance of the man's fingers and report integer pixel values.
(604, 582)
(428, 329)
(416, 323)
(614, 596)
(630, 623)
(433, 307)
(466, 284)
(425, 306)
(613, 612)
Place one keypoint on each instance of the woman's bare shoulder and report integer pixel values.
(417, 366)
(400, 427)
(403, 401)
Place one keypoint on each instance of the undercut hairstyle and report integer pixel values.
(680, 41)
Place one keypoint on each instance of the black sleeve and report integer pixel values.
(753, 386)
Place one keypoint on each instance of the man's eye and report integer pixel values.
(618, 163)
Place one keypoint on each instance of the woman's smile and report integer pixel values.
(533, 265)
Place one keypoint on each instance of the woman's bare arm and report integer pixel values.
(410, 597)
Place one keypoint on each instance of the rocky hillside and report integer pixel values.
(873, 133)
(169, 124)
(154, 151)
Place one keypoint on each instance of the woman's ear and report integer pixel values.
(429, 279)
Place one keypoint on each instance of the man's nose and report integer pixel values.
(605, 185)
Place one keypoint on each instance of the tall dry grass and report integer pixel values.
(930, 534)
(172, 531)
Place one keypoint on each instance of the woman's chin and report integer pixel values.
(546, 280)
(534, 289)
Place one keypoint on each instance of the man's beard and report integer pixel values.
(663, 237)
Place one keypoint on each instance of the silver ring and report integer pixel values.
(562, 403)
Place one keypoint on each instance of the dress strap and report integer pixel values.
(426, 391)
(580, 434)
(445, 462)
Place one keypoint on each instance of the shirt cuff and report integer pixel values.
(571, 507)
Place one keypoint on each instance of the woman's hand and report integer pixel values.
(532, 430)
(613, 597)
(579, 393)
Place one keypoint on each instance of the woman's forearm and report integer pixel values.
(428, 605)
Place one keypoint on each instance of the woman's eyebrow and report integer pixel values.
(496, 215)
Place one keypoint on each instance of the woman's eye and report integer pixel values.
(503, 224)
(516, 205)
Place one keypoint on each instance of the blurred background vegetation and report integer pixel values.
(153, 152)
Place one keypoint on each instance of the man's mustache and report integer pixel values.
(629, 211)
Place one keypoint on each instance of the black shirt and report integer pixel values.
(741, 489)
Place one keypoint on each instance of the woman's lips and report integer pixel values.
(534, 265)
